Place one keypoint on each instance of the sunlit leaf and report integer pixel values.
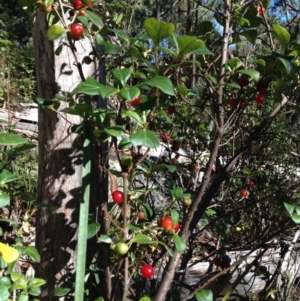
(8, 253)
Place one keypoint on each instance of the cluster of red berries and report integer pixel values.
(167, 224)
(244, 192)
(262, 88)
(77, 29)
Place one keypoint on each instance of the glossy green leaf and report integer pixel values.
(122, 75)
(55, 31)
(109, 48)
(297, 209)
(122, 35)
(142, 239)
(6, 176)
(281, 35)
(288, 66)
(94, 18)
(252, 73)
(35, 291)
(133, 115)
(158, 30)
(179, 243)
(163, 167)
(177, 193)
(204, 295)
(11, 139)
(234, 63)
(160, 82)
(125, 143)
(4, 199)
(36, 282)
(169, 250)
(77, 109)
(189, 44)
(91, 87)
(61, 291)
(104, 238)
(115, 131)
(175, 216)
(144, 138)
(93, 229)
(130, 93)
(32, 252)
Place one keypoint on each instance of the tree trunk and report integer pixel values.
(59, 183)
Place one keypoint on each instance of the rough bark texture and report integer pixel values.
(59, 184)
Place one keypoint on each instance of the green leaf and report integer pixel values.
(142, 239)
(204, 295)
(115, 131)
(91, 87)
(160, 82)
(122, 75)
(287, 65)
(134, 115)
(144, 138)
(4, 199)
(175, 216)
(297, 209)
(282, 35)
(55, 31)
(122, 35)
(296, 218)
(163, 167)
(36, 282)
(11, 139)
(32, 252)
(252, 73)
(130, 93)
(6, 176)
(289, 207)
(23, 298)
(93, 229)
(189, 44)
(77, 109)
(179, 243)
(169, 250)
(250, 35)
(158, 30)
(177, 193)
(106, 239)
(125, 143)
(61, 291)
(35, 291)
(94, 18)
(205, 27)
(234, 63)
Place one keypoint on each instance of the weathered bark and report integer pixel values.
(59, 183)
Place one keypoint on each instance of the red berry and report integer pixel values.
(233, 102)
(147, 271)
(176, 227)
(263, 91)
(76, 30)
(136, 101)
(77, 4)
(261, 11)
(262, 85)
(259, 99)
(243, 81)
(217, 261)
(118, 196)
(171, 110)
(251, 183)
(243, 104)
(244, 193)
(165, 138)
(167, 223)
